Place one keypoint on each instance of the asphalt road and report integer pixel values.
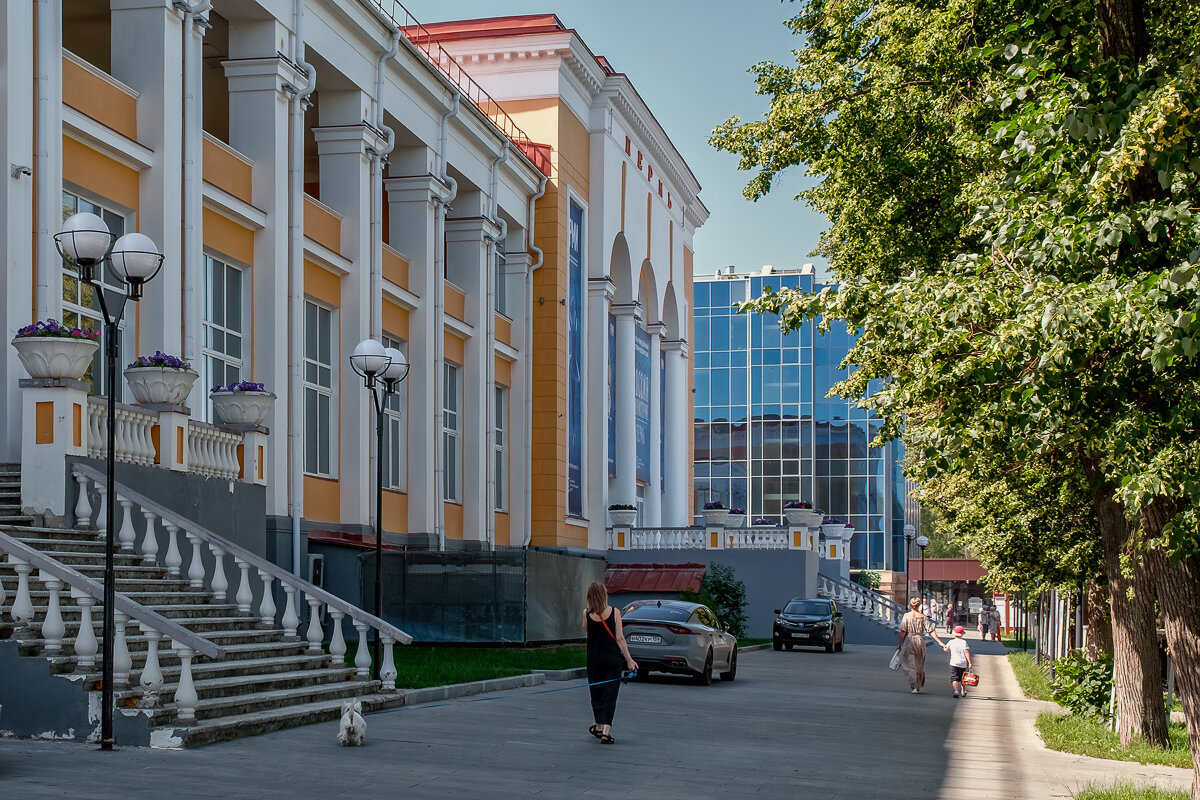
(794, 724)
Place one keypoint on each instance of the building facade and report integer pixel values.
(319, 172)
(767, 434)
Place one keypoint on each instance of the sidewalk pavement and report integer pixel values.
(795, 724)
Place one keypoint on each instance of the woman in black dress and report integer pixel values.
(606, 652)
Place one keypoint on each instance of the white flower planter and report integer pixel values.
(715, 517)
(796, 516)
(55, 356)
(735, 521)
(622, 517)
(815, 518)
(242, 408)
(160, 385)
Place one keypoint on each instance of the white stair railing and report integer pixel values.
(206, 571)
(866, 601)
(134, 442)
(87, 593)
(213, 451)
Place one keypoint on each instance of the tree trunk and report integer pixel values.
(1099, 640)
(1137, 675)
(1123, 29)
(1178, 586)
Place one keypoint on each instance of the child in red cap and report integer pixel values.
(960, 660)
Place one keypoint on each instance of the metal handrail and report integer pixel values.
(426, 43)
(258, 562)
(76, 580)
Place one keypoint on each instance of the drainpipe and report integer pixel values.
(489, 366)
(48, 209)
(439, 314)
(191, 243)
(378, 162)
(527, 466)
(296, 282)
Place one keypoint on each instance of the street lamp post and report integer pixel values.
(910, 533)
(922, 543)
(87, 244)
(381, 369)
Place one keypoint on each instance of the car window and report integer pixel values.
(656, 612)
(710, 619)
(809, 607)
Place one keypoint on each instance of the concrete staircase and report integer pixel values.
(266, 681)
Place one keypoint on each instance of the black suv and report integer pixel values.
(812, 623)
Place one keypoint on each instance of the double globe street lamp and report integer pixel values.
(382, 369)
(87, 244)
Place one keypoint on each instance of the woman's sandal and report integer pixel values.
(607, 739)
(594, 730)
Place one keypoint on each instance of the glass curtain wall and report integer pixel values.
(766, 434)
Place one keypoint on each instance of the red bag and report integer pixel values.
(970, 679)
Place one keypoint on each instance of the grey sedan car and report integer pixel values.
(680, 638)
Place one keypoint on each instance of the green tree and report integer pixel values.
(1010, 186)
(722, 592)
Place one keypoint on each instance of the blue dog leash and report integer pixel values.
(626, 675)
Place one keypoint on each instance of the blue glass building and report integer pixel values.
(766, 434)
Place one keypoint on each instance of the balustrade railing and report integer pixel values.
(756, 538)
(694, 538)
(866, 601)
(207, 570)
(156, 630)
(132, 432)
(213, 451)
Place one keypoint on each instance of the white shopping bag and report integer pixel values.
(894, 664)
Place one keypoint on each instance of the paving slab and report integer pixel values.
(798, 724)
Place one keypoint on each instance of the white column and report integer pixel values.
(411, 219)
(519, 401)
(345, 170)
(625, 483)
(654, 500)
(258, 128)
(677, 505)
(600, 295)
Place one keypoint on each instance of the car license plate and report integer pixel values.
(799, 635)
(643, 638)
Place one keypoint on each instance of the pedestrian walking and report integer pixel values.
(960, 661)
(913, 627)
(934, 611)
(982, 623)
(606, 652)
(994, 623)
(951, 616)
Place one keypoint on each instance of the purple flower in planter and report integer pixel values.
(52, 328)
(240, 386)
(160, 359)
(714, 505)
(794, 504)
(741, 511)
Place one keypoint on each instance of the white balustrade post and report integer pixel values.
(83, 507)
(86, 645)
(291, 619)
(196, 567)
(185, 693)
(266, 609)
(122, 663)
(316, 634)
(152, 677)
(362, 656)
(387, 669)
(102, 511)
(150, 540)
(22, 610)
(220, 584)
(127, 536)
(52, 626)
(245, 595)
(337, 644)
(173, 560)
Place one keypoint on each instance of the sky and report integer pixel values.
(688, 60)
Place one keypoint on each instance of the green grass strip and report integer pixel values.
(1128, 791)
(1073, 734)
(1033, 680)
(421, 666)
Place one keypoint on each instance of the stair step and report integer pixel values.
(54, 533)
(254, 723)
(259, 666)
(237, 705)
(64, 662)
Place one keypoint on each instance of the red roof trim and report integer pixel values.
(652, 577)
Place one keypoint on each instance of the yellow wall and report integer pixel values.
(229, 238)
(453, 520)
(395, 512)
(322, 500)
(90, 94)
(321, 284)
(99, 174)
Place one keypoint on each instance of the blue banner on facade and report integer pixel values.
(612, 396)
(641, 401)
(575, 361)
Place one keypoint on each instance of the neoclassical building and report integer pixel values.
(612, 400)
(489, 197)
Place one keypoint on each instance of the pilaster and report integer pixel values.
(654, 500)
(676, 502)
(628, 316)
(600, 295)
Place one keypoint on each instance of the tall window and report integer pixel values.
(451, 421)
(501, 446)
(501, 281)
(80, 307)
(395, 447)
(223, 343)
(318, 390)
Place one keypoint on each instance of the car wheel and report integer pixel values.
(841, 644)
(732, 673)
(704, 676)
(829, 647)
(776, 645)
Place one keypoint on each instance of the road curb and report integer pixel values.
(454, 691)
(750, 648)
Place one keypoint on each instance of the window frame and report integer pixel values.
(451, 433)
(329, 392)
(500, 448)
(207, 352)
(395, 431)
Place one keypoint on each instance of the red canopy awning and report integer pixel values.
(945, 569)
(652, 577)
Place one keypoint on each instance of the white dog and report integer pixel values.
(353, 728)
